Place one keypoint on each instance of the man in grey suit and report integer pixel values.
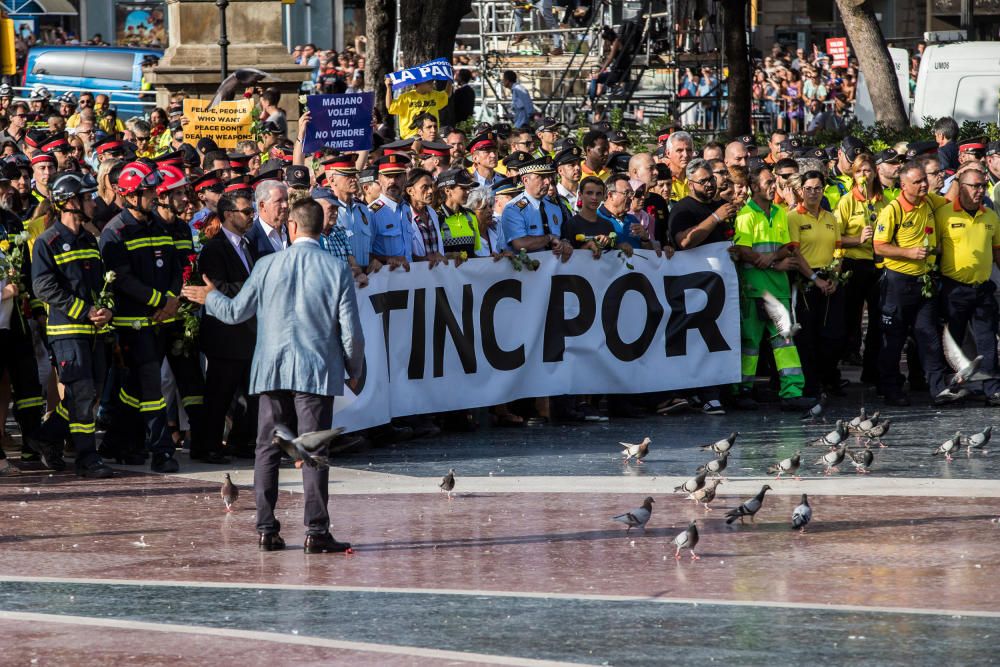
(308, 333)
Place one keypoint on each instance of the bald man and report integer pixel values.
(736, 154)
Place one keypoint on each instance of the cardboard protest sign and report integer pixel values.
(228, 123)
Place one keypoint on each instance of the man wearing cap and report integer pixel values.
(680, 150)
(840, 180)
(371, 189)
(483, 151)
(595, 155)
(434, 157)
(567, 164)
(392, 237)
(906, 239)
(617, 141)
(459, 227)
(529, 222)
(504, 191)
(969, 234)
(208, 188)
(268, 233)
(352, 214)
(888, 163)
(970, 150)
(548, 135)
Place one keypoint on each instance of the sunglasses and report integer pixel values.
(245, 211)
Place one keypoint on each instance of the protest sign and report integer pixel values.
(483, 334)
(228, 123)
(836, 48)
(343, 122)
(432, 70)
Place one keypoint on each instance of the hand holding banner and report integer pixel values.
(438, 69)
(228, 123)
(343, 122)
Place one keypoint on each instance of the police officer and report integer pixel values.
(529, 221)
(548, 135)
(567, 166)
(887, 163)
(906, 239)
(459, 227)
(141, 252)
(392, 241)
(67, 275)
(840, 181)
(353, 215)
(969, 233)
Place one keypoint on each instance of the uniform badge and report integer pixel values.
(375, 207)
(66, 247)
(390, 226)
(159, 263)
(521, 204)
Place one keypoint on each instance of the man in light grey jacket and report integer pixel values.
(308, 334)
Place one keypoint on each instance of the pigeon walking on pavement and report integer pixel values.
(815, 413)
(724, 445)
(305, 449)
(716, 466)
(802, 515)
(687, 540)
(869, 423)
(748, 508)
(637, 518)
(950, 445)
(636, 451)
(693, 484)
(856, 421)
(789, 466)
(706, 494)
(835, 437)
(448, 482)
(230, 493)
(862, 460)
(832, 459)
(978, 440)
(877, 433)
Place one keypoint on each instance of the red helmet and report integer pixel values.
(171, 178)
(137, 176)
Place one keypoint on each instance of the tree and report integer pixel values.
(734, 22)
(876, 64)
(380, 27)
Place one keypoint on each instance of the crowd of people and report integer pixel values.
(106, 223)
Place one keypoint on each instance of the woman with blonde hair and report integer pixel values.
(107, 200)
(856, 214)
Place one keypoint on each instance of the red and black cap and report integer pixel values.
(109, 144)
(392, 164)
(238, 183)
(344, 164)
(209, 181)
(429, 149)
(35, 138)
(484, 141)
(238, 160)
(175, 159)
(56, 142)
(41, 158)
(975, 145)
(401, 146)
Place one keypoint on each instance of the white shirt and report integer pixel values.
(236, 240)
(571, 197)
(277, 237)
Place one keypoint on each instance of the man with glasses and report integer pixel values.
(18, 117)
(615, 209)
(969, 233)
(530, 222)
(783, 170)
(86, 102)
(521, 139)
(906, 239)
(888, 164)
(548, 135)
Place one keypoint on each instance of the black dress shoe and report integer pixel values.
(270, 542)
(325, 544)
(212, 457)
(50, 454)
(164, 463)
(95, 470)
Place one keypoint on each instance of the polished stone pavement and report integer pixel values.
(523, 566)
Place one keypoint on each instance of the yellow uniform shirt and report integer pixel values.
(817, 238)
(907, 226)
(967, 242)
(604, 174)
(852, 214)
(679, 189)
(409, 104)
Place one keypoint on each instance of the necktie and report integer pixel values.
(545, 220)
(245, 249)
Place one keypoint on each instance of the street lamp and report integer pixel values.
(223, 38)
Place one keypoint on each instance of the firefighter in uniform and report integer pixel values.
(172, 198)
(136, 246)
(68, 276)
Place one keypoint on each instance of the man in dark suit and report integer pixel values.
(227, 259)
(268, 233)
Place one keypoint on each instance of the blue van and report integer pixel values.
(116, 71)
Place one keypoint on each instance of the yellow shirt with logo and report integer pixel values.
(907, 226)
(967, 242)
(604, 174)
(852, 214)
(679, 189)
(411, 103)
(817, 238)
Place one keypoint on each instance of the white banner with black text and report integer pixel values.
(483, 333)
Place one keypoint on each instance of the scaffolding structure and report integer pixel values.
(663, 45)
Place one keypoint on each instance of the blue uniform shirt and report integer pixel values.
(355, 218)
(522, 216)
(392, 230)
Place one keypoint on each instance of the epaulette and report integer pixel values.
(521, 204)
(376, 206)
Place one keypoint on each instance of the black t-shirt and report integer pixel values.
(689, 212)
(578, 225)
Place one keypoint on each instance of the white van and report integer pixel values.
(961, 80)
(863, 109)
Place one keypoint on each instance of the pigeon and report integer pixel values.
(716, 466)
(875, 434)
(687, 540)
(978, 440)
(854, 423)
(832, 458)
(230, 493)
(693, 484)
(637, 517)
(948, 446)
(869, 423)
(448, 482)
(788, 466)
(706, 494)
(244, 77)
(724, 445)
(816, 412)
(303, 449)
(638, 452)
(966, 370)
(802, 515)
(862, 460)
(780, 315)
(749, 508)
(834, 437)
